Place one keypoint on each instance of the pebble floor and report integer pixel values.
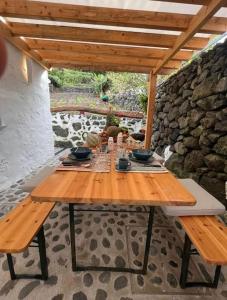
(108, 239)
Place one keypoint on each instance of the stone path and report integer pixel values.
(111, 239)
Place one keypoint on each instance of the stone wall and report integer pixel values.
(73, 89)
(68, 128)
(127, 100)
(27, 141)
(191, 116)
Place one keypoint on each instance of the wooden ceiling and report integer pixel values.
(64, 35)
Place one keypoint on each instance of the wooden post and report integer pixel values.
(150, 109)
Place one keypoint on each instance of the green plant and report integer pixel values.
(55, 80)
(69, 78)
(112, 120)
(101, 83)
(143, 98)
(123, 82)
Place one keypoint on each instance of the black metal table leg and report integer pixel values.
(42, 254)
(216, 277)
(75, 267)
(72, 236)
(148, 239)
(11, 267)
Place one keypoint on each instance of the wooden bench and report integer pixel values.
(18, 230)
(209, 237)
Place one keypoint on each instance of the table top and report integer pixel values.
(113, 188)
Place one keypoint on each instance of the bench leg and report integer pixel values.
(187, 252)
(43, 260)
(11, 267)
(42, 254)
(185, 262)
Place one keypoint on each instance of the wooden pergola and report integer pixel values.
(99, 38)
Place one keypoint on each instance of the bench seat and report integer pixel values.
(19, 228)
(206, 204)
(209, 237)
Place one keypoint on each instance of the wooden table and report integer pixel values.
(112, 188)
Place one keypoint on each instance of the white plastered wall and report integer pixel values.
(27, 140)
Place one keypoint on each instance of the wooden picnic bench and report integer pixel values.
(209, 236)
(19, 228)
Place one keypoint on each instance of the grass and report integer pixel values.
(87, 100)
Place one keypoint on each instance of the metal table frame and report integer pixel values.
(76, 267)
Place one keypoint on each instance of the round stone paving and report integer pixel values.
(105, 239)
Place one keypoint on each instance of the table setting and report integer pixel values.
(138, 160)
(84, 159)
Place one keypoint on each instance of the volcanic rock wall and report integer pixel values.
(191, 116)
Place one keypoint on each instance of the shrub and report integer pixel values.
(112, 120)
(143, 101)
(55, 80)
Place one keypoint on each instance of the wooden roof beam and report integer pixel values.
(19, 43)
(105, 16)
(97, 58)
(204, 14)
(89, 48)
(103, 36)
(105, 67)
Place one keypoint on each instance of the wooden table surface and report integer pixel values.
(113, 188)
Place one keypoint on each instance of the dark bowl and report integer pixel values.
(80, 152)
(142, 154)
(138, 136)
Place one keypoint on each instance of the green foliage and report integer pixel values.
(69, 78)
(112, 120)
(143, 101)
(123, 82)
(55, 80)
(101, 83)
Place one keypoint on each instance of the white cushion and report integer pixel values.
(206, 204)
(35, 180)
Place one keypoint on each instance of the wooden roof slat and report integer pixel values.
(105, 16)
(198, 21)
(105, 67)
(97, 58)
(195, 2)
(6, 33)
(103, 36)
(89, 48)
(115, 48)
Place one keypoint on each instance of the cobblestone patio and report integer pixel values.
(110, 239)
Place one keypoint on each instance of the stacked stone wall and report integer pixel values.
(191, 116)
